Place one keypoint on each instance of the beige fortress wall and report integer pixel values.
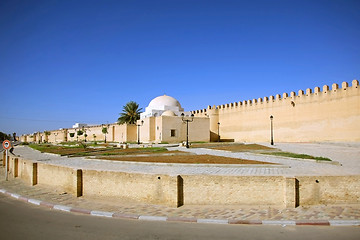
(313, 115)
(156, 189)
(57, 136)
(125, 133)
(87, 130)
(90, 131)
(24, 138)
(116, 133)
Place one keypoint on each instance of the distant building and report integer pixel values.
(79, 125)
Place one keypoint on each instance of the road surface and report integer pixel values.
(19, 220)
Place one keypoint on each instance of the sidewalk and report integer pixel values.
(123, 208)
(58, 200)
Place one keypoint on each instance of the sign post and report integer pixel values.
(6, 145)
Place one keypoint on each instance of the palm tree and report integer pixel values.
(130, 114)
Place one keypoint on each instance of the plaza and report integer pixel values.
(325, 214)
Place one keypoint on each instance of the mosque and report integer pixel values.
(164, 120)
(315, 115)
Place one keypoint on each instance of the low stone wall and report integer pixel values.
(157, 189)
(62, 177)
(26, 170)
(178, 190)
(315, 190)
(243, 190)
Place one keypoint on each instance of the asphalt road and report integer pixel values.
(19, 220)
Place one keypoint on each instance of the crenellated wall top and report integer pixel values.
(278, 97)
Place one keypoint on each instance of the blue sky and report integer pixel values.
(63, 62)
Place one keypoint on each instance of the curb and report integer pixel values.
(180, 219)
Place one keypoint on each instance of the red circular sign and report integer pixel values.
(6, 144)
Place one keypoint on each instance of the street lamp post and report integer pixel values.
(218, 131)
(139, 125)
(187, 127)
(271, 130)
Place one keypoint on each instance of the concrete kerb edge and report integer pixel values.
(179, 219)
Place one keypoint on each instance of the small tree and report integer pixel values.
(94, 136)
(78, 133)
(84, 131)
(47, 134)
(72, 135)
(104, 131)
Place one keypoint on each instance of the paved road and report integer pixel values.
(19, 220)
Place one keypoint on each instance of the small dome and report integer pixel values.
(161, 101)
(168, 113)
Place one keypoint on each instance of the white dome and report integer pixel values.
(162, 106)
(162, 101)
(168, 113)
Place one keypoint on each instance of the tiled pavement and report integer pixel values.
(56, 199)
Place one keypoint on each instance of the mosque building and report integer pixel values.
(162, 122)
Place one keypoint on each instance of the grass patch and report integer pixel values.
(85, 151)
(48, 148)
(296, 155)
(69, 143)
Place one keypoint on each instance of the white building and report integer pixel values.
(162, 122)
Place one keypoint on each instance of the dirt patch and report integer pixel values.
(234, 147)
(188, 159)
